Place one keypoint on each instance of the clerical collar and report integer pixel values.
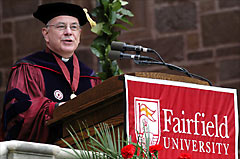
(65, 59)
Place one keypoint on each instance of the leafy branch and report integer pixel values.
(110, 15)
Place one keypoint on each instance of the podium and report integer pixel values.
(105, 103)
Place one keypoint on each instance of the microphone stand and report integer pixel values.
(173, 67)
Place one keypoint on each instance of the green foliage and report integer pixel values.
(110, 15)
(81, 145)
(105, 143)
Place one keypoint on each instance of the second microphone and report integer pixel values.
(114, 55)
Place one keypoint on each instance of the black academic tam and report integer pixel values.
(48, 11)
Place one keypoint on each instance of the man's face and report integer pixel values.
(62, 35)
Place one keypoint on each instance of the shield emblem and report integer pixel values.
(147, 119)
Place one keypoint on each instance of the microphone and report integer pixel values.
(120, 46)
(114, 55)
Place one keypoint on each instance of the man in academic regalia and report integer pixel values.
(44, 80)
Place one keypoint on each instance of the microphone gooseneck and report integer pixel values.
(117, 49)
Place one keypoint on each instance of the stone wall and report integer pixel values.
(200, 35)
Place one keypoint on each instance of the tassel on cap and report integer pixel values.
(92, 22)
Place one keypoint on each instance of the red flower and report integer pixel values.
(184, 156)
(155, 148)
(128, 151)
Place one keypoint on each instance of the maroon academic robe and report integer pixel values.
(30, 101)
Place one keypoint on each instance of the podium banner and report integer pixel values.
(184, 118)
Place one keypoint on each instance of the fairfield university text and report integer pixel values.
(197, 126)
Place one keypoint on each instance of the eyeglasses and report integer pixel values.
(63, 26)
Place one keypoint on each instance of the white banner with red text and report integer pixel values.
(182, 117)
